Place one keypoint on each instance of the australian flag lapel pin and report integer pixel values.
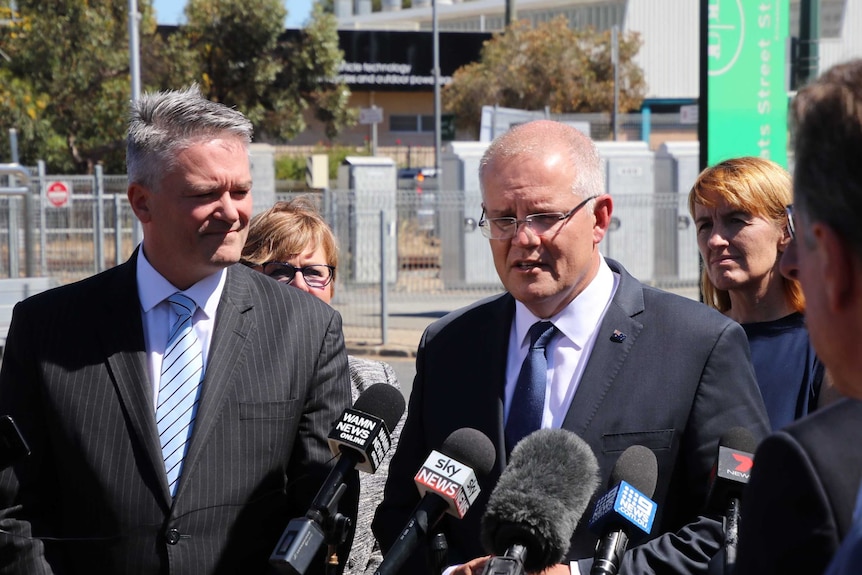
(618, 336)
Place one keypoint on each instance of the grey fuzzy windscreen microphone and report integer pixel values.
(540, 497)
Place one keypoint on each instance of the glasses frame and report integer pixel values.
(791, 221)
(485, 223)
(296, 269)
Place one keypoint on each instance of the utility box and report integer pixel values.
(466, 259)
(372, 184)
(317, 171)
(631, 182)
(677, 165)
(262, 163)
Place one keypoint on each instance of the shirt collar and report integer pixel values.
(578, 320)
(153, 288)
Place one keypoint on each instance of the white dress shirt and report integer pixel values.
(157, 315)
(568, 351)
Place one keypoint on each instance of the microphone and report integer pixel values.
(359, 439)
(729, 475)
(449, 483)
(626, 511)
(538, 501)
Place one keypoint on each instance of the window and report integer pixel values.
(414, 123)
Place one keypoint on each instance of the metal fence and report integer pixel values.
(427, 247)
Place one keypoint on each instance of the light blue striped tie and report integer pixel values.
(179, 389)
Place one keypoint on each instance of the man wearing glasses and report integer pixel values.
(625, 364)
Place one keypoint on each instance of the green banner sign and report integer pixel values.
(746, 48)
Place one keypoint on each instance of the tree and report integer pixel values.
(65, 82)
(551, 65)
(243, 62)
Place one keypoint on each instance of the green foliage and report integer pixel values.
(551, 65)
(243, 62)
(292, 167)
(65, 82)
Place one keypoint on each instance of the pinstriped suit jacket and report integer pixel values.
(74, 377)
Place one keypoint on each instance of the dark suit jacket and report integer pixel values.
(798, 504)
(675, 384)
(75, 378)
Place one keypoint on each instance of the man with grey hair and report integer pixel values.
(176, 406)
(800, 501)
(620, 363)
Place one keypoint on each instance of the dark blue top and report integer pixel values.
(788, 372)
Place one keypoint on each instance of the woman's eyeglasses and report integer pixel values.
(315, 275)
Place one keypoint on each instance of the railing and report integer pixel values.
(427, 246)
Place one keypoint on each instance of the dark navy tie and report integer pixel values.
(528, 400)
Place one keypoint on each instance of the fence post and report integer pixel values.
(118, 229)
(384, 306)
(99, 181)
(43, 221)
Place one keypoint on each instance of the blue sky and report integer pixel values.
(171, 12)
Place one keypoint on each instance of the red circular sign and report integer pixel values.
(58, 194)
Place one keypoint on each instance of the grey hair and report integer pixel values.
(827, 177)
(163, 123)
(536, 138)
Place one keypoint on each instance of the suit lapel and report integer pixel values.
(226, 351)
(617, 335)
(126, 359)
(487, 365)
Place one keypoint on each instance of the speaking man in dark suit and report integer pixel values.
(176, 406)
(626, 364)
(798, 506)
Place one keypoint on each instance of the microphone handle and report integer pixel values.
(438, 552)
(609, 553)
(327, 498)
(430, 510)
(512, 563)
(731, 535)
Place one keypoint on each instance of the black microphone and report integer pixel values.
(538, 501)
(449, 483)
(360, 439)
(625, 513)
(729, 475)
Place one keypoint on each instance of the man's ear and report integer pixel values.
(139, 199)
(840, 268)
(604, 207)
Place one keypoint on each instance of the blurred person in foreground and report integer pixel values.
(739, 211)
(290, 242)
(798, 506)
(139, 465)
(627, 364)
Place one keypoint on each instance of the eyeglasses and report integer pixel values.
(316, 276)
(791, 223)
(541, 224)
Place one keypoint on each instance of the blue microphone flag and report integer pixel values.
(624, 504)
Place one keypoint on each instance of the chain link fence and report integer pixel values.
(426, 246)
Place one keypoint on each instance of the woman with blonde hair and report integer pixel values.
(740, 209)
(291, 243)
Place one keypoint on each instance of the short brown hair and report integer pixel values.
(286, 230)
